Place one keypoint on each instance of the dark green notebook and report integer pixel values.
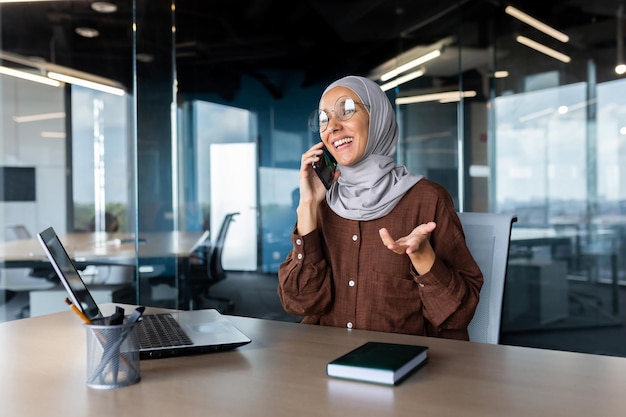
(377, 362)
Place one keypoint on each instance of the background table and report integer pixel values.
(112, 258)
(101, 247)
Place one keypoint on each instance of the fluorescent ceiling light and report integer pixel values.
(457, 97)
(500, 74)
(401, 80)
(103, 7)
(519, 15)
(56, 73)
(446, 97)
(38, 117)
(87, 32)
(29, 76)
(543, 49)
(52, 135)
(86, 83)
(410, 65)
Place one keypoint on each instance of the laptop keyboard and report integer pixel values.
(161, 330)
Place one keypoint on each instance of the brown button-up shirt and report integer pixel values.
(341, 274)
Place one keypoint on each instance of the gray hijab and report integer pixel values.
(371, 188)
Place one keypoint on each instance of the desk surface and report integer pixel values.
(103, 246)
(282, 373)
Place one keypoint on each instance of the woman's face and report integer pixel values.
(345, 139)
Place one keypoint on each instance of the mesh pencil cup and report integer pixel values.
(112, 355)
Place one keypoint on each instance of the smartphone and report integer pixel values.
(325, 168)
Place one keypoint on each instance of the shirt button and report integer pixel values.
(299, 256)
(351, 283)
(354, 237)
(299, 242)
(349, 325)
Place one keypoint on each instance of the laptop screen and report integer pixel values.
(64, 267)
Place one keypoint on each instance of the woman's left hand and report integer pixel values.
(416, 245)
(414, 242)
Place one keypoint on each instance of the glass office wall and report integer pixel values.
(504, 126)
(103, 200)
(68, 128)
(539, 133)
(558, 152)
(219, 176)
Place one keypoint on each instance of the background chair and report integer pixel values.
(19, 280)
(206, 270)
(19, 232)
(488, 237)
(6, 295)
(111, 223)
(203, 269)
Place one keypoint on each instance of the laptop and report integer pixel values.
(203, 331)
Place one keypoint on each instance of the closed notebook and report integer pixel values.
(377, 362)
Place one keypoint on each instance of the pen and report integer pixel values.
(77, 311)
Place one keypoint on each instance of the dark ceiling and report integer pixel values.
(315, 40)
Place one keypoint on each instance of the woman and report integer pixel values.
(382, 249)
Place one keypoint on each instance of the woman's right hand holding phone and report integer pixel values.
(312, 191)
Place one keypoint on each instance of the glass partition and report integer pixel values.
(507, 117)
(67, 111)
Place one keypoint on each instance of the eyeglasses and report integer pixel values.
(345, 108)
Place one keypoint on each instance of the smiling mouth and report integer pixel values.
(343, 141)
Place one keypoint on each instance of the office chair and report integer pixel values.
(488, 237)
(202, 270)
(19, 232)
(6, 295)
(111, 223)
(206, 270)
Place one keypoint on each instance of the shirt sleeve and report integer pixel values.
(450, 290)
(304, 278)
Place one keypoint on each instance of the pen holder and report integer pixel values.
(112, 355)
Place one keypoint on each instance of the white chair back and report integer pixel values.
(488, 237)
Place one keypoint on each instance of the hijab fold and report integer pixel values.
(372, 187)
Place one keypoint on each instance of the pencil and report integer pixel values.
(77, 311)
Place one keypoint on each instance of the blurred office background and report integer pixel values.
(179, 112)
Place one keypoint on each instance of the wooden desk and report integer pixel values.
(282, 373)
(104, 247)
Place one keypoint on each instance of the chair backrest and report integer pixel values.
(215, 270)
(198, 249)
(17, 232)
(488, 237)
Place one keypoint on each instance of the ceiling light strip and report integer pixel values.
(446, 97)
(86, 83)
(52, 135)
(401, 80)
(29, 76)
(410, 65)
(38, 117)
(543, 49)
(103, 7)
(531, 21)
(457, 97)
